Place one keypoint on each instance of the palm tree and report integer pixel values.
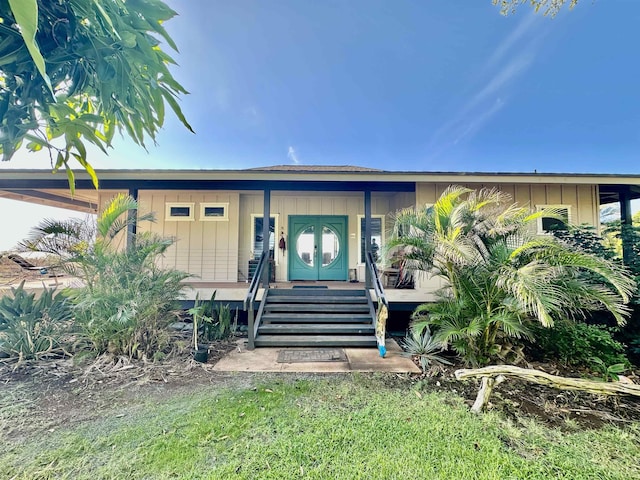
(127, 300)
(500, 275)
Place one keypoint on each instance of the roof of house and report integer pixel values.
(313, 168)
(40, 186)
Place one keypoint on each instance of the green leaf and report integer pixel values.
(176, 108)
(82, 160)
(106, 17)
(59, 162)
(72, 179)
(26, 15)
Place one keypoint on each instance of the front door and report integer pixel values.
(318, 248)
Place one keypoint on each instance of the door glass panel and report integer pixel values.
(330, 245)
(305, 245)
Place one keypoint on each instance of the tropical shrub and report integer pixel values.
(500, 275)
(421, 344)
(31, 327)
(586, 239)
(127, 300)
(578, 344)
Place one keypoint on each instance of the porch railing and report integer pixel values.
(375, 279)
(250, 299)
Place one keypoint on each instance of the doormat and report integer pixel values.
(310, 286)
(309, 356)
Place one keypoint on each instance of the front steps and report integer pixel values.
(316, 317)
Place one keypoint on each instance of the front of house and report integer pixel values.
(323, 220)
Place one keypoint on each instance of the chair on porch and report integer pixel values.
(27, 265)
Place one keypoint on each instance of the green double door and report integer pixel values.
(318, 248)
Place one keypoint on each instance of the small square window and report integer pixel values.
(213, 212)
(551, 224)
(179, 212)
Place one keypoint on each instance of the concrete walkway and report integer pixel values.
(358, 360)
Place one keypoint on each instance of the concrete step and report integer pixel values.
(316, 329)
(315, 341)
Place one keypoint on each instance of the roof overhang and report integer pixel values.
(41, 186)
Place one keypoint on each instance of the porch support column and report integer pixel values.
(132, 226)
(626, 221)
(367, 235)
(266, 220)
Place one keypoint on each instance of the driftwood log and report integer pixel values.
(495, 374)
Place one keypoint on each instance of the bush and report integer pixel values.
(31, 328)
(578, 344)
(422, 345)
(130, 301)
(127, 301)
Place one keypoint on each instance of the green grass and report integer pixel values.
(338, 428)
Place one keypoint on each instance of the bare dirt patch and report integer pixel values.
(47, 395)
(44, 397)
(519, 399)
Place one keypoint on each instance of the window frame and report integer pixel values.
(170, 218)
(539, 225)
(276, 227)
(223, 218)
(360, 230)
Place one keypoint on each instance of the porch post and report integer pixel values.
(626, 222)
(132, 227)
(266, 220)
(367, 235)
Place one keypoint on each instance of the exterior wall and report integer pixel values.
(208, 250)
(583, 200)
(284, 204)
(219, 251)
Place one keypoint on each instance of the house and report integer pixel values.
(323, 223)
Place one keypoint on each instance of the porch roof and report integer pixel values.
(41, 186)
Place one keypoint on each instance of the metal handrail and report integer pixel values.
(375, 279)
(251, 298)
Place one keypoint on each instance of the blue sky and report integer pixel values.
(399, 85)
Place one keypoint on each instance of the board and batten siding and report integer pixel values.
(583, 199)
(207, 250)
(219, 251)
(285, 204)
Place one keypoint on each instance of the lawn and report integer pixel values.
(338, 427)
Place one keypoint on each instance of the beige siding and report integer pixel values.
(219, 251)
(285, 204)
(208, 250)
(583, 199)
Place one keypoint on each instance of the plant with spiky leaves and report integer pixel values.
(127, 300)
(499, 274)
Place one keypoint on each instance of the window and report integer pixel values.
(179, 212)
(256, 235)
(214, 212)
(377, 227)
(549, 224)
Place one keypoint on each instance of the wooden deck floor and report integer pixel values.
(236, 292)
(233, 291)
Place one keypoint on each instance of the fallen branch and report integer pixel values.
(495, 374)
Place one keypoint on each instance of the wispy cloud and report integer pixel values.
(490, 92)
(523, 29)
(293, 156)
